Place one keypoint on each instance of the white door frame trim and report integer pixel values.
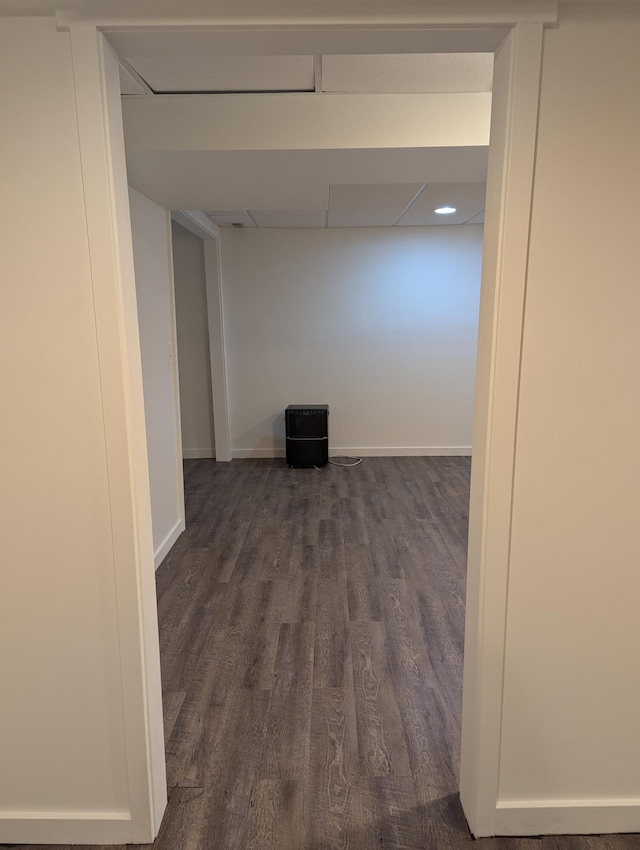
(514, 122)
(106, 196)
(461, 15)
(197, 223)
(165, 546)
(200, 225)
(213, 278)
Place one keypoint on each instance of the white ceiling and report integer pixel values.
(285, 180)
(287, 218)
(268, 218)
(311, 188)
(377, 73)
(377, 205)
(467, 198)
(408, 72)
(225, 73)
(372, 205)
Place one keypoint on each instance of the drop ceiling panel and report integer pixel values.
(227, 218)
(477, 219)
(225, 73)
(360, 219)
(289, 218)
(358, 205)
(412, 72)
(467, 198)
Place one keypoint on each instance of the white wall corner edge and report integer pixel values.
(163, 549)
(367, 451)
(65, 828)
(567, 817)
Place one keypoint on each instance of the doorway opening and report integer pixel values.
(192, 336)
(498, 390)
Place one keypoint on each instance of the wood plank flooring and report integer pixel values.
(311, 632)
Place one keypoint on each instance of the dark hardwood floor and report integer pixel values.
(311, 632)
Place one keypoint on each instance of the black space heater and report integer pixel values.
(307, 434)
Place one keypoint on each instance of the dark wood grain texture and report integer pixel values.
(311, 634)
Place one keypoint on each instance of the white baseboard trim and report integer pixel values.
(257, 453)
(163, 549)
(368, 451)
(195, 454)
(567, 817)
(401, 451)
(65, 828)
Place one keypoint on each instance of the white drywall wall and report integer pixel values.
(570, 737)
(380, 323)
(196, 405)
(61, 711)
(151, 231)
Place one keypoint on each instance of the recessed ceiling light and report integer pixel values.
(445, 210)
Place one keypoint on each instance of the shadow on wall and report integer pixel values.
(279, 432)
(267, 434)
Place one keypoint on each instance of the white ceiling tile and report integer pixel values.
(225, 73)
(361, 205)
(467, 198)
(286, 218)
(360, 219)
(410, 72)
(477, 219)
(227, 218)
